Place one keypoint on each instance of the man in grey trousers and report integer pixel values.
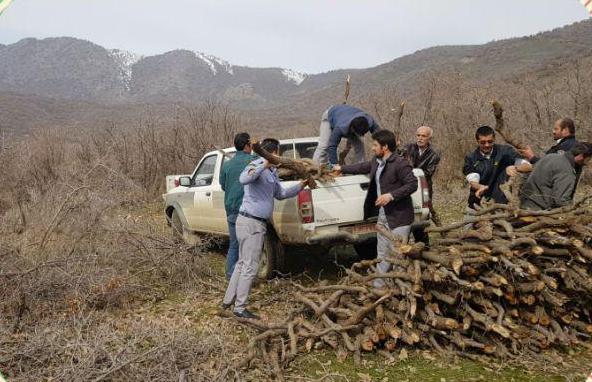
(261, 186)
(553, 181)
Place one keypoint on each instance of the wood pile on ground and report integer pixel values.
(518, 282)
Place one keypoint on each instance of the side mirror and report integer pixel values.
(185, 181)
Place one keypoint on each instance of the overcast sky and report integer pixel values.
(306, 35)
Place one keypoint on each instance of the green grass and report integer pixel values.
(325, 366)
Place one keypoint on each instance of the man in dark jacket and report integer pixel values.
(553, 181)
(564, 135)
(423, 155)
(389, 194)
(233, 193)
(343, 121)
(489, 166)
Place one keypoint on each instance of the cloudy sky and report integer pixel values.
(306, 35)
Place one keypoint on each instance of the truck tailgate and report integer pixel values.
(341, 202)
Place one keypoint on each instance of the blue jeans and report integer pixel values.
(232, 255)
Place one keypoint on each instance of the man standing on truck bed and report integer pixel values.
(233, 193)
(343, 121)
(389, 194)
(422, 154)
(261, 186)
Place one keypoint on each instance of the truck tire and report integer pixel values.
(367, 249)
(273, 259)
(176, 225)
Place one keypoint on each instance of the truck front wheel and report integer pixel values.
(273, 257)
(176, 225)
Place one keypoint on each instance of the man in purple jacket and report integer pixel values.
(389, 195)
(343, 121)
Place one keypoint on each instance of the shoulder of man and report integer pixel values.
(435, 151)
(256, 162)
(472, 156)
(503, 150)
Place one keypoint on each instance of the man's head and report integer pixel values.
(242, 142)
(384, 143)
(485, 137)
(271, 145)
(582, 152)
(424, 136)
(359, 126)
(563, 127)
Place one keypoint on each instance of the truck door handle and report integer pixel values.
(208, 193)
(365, 186)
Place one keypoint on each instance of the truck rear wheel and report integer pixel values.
(273, 259)
(367, 249)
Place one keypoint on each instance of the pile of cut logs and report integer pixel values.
(515, 282)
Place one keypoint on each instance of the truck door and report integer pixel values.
(199, 196)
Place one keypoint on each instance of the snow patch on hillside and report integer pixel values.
(294, 76)
(215, 63)
(125, 60)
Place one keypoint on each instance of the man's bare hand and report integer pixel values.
(383, 200)
(336, 171)
(481, 190)
(526, 153)
(511, 171)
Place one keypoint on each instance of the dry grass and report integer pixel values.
(84, 251)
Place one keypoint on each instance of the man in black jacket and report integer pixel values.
(389, 194)
(564, 134)
(423, 155)
(489, 166)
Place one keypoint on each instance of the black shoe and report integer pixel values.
(246, 314)
(224, 306)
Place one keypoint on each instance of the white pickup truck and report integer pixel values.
(329, 215)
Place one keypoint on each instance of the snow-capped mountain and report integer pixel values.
(76, 69)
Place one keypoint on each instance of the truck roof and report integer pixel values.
(282, 142)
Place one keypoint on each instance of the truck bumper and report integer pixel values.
(344, 237)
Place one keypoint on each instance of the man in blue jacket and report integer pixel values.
(343, 121)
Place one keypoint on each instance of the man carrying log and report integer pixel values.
(261, 186)
(554, 179)
(422, 154)
(489, 166)
(564, 135)
(233, 193)
(389, 195)
(343, 121)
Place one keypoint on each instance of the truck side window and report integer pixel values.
(305, 150)
(287, 151)
(205, 173)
